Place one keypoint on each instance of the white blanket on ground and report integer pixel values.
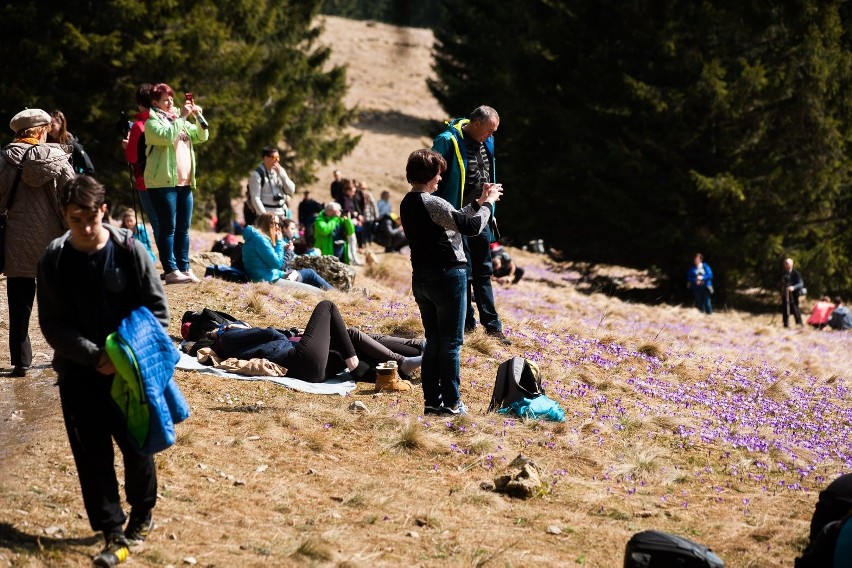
(341, 384)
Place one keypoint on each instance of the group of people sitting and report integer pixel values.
(828, 313)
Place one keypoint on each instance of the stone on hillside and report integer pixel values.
(358, 406)
(522, 479)
(339, 275)
(200, 261)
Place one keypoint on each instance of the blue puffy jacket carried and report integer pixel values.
(144, 387)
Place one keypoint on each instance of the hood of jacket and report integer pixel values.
(44, 162)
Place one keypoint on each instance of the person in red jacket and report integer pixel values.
(133, 154)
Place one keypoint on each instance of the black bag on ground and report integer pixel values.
(194, 325)
(228, 273)
(517, 378)
(656, 549)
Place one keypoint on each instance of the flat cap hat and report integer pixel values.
(28, 118)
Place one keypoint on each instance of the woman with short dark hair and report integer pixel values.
(434, 229)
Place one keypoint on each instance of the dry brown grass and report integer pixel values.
(262, 475)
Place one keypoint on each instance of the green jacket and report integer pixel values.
(324, 229)
(160, 136)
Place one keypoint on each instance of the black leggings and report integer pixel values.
(324, 333)
(374, 349)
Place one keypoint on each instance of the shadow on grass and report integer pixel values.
(395, 122)
(663, 292)
(19, 542)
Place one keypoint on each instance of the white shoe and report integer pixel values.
(195, 279)
(177, 277)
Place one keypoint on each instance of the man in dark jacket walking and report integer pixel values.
(89, 280)
(792, 286)
(467, 145)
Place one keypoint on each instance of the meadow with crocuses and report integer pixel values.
(721, 429)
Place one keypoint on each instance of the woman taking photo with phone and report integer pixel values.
(170, 176)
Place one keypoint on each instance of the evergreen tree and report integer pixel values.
(641, 132)
(255, 67)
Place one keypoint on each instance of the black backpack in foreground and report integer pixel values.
(655, 549)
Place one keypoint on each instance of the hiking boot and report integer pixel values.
(457, 410)
(114, 553)
(387, 379)
(20, 370)
(177, 277)
(139, 527)
(499, 336)
(429, 410)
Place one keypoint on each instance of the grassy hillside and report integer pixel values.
(721, 429)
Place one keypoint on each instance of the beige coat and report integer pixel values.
(35, 217)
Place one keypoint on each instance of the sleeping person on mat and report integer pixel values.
(322, 350)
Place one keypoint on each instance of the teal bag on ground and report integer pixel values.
(538, 408)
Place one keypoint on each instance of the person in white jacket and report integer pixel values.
(270, 188)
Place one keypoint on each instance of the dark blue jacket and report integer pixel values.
(253, 343)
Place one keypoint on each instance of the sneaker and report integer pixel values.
(457, 410)
(114, 553)
(191, 275)
(177, 277)
(429, 410)
(498, 335)
(139, 527)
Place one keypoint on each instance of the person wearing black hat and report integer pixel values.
(31, 173)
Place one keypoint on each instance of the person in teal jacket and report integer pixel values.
(264, 257)
(332, 232)
(170, 177)
(467, 145)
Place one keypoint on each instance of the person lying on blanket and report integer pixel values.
(321, 350)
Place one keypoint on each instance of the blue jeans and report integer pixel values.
(310, 276)
(479, 270)
(150, 212)
(174, 212)
(702, 299)
(441, 297)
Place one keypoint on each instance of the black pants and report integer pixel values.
(374, 349)
(20, 293)
(793, 308)
(324, 333)
(477, 250)
(92, 423)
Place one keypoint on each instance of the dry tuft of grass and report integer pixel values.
(652, 349)
(480, 342)
(315, 549)
(410, 438)
(256, 303)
